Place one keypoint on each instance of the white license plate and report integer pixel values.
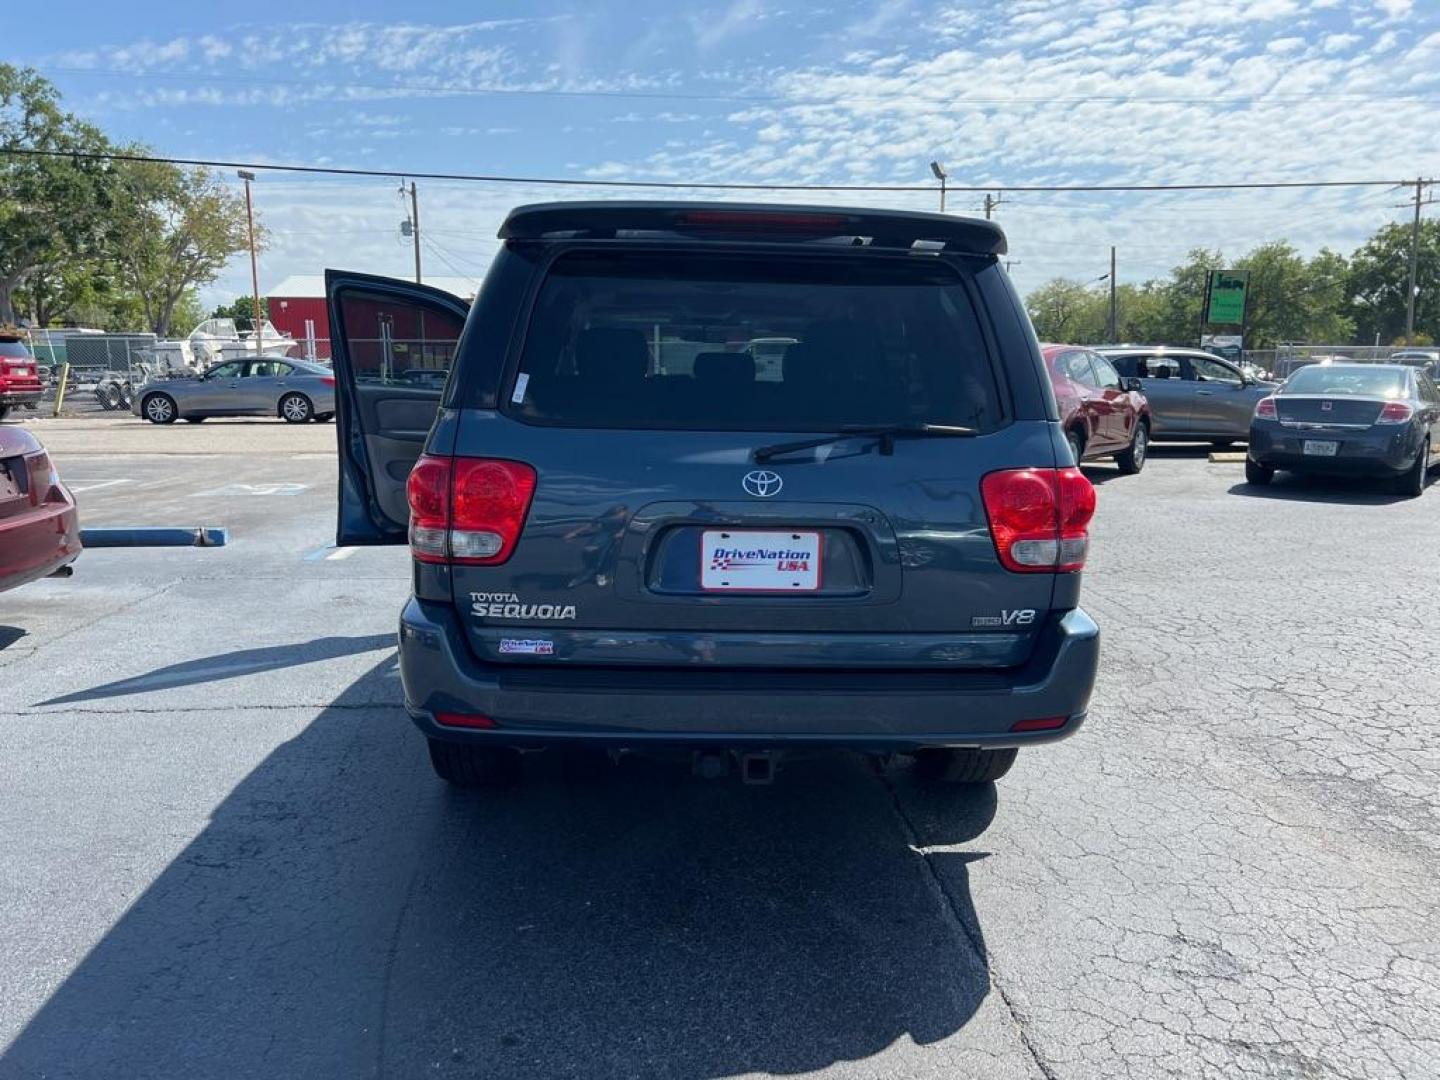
(748, 560)
(20, 372)
(1321, 447)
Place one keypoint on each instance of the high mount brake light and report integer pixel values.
(751, 219)
(1039, 518)
(1265, 409)
(467, 510)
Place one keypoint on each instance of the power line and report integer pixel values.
(555, 181)
(909, 99)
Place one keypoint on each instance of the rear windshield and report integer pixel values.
(724, 342)
(1322, 379)
(14, 350)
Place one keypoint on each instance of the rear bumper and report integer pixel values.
(1360, 453)
(535, 705)
(15, 396)
(37, 543)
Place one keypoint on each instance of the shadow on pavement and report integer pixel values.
(230, 665)
(1297, 487)
(344, 914)
(9, 635)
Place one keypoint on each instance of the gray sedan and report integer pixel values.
(294, 390)
(1194, 396)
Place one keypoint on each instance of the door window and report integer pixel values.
(231, 369)
(1428, 391)
(1076, 367)
(269, 369)
(1107, 378)
(396, 341)
(1207, 370)
(1159, 367)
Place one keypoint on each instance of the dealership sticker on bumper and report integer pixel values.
(526, 647)
(1321, 447)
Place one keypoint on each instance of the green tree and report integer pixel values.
(51, 208)
(180, 227)
(1379, 274)
(242, 310)
(1068, 311)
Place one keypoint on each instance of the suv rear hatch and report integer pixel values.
(659, 532)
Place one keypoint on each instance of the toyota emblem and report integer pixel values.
(762, 483)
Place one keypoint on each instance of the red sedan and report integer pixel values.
(19, 374)
(39, 528)
(1104, 414)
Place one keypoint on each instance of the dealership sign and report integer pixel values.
(1225, 297)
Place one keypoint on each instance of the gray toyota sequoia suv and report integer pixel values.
(630, 530)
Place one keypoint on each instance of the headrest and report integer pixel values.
(725, 367)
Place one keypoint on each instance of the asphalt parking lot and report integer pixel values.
(224, 854)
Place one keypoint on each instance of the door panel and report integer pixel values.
(1075, 366)
(1169, 388)
(391, 342)
(1223, 403)
(1113, 406)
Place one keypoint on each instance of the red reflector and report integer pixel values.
(466, 720)
(1049, 723)
(761, 219)
(327, 380)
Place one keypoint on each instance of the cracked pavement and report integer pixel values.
(222, 852)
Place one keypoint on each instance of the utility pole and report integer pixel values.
(991, 202)
(254, 266)
(1114, 311)
(415, 227)
(1420, 186)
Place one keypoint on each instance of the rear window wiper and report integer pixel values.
(886, 433)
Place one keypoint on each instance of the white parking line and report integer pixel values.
(79, 486)
(330, 552)
(341, 553)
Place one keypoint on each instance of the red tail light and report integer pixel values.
(1039, 518)
(327, 380)
(467, 510)
(1265, 409)
(1395, 412)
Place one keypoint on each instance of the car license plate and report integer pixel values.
(20, 372)
(748, 560)
(1321, 447)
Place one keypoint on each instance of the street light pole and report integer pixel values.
(415, 227)
(1414, 258)
(254, 266)
(942, 176)
(1114, 311)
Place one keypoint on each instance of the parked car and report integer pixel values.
(880, 550)
(294, 390)
(1194, 395)
(39, 528)
(1428, 359)
(20, 383)
(1103, 413)
(1379, 420)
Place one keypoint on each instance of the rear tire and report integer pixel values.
(963, 766)
(1259, 475)
(159, 408)
(296, 409)
(1132, 459)
(465, 765)
(4, 411)
(1411, 483)
(1077, 445)
(324, 417)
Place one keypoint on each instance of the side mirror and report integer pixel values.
(1132, 384)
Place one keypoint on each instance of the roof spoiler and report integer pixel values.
(752, 221)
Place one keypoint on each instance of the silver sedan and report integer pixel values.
(294, 390)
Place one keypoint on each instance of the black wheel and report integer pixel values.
(159, 408)
(1077, 447)
(324, 417)
(968, 766)
(296, 409)
(4, 411)
(465, 765)
(195, 419)
(1132, 459)
(1258, 474)
(1222, 444)
(1411, 483)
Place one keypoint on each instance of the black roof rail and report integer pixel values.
(751, 221)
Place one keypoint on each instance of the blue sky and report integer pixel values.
(845, 91)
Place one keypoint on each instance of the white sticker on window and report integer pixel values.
(521, 382)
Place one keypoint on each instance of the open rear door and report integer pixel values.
(392, 345)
